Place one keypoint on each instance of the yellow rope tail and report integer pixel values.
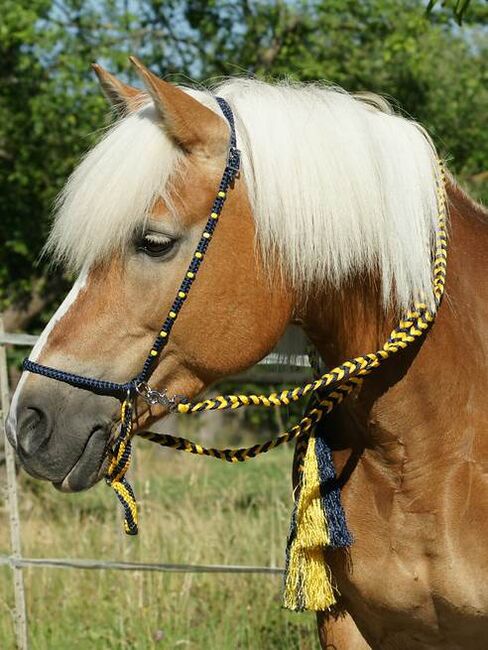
(119, 464)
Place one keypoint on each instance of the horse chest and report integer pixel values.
(416, 576)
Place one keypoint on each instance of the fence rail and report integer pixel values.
(9, 338)
(272, 359)
(17, 563)
(79, 563)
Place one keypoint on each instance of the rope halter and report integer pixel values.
(329, 389)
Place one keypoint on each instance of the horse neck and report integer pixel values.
(426, 397)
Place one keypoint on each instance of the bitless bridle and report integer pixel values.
(138, 386)
(329, 389)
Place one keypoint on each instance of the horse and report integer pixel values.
(330, 227)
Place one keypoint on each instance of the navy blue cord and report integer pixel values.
(98, 386)
(114, 389)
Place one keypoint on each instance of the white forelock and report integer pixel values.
(111, 192)
(339, 186)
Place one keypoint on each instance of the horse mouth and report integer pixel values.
(91, 465)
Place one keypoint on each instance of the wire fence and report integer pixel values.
(97, 565)
(15, 560)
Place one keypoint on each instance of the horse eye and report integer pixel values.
(155, 244)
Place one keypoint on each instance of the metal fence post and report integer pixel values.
(13, 506)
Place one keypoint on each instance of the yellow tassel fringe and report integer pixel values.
(308, 581)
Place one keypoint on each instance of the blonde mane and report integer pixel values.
(339, 185)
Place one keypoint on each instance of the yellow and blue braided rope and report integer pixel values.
(333, 387)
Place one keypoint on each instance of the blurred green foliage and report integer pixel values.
(459, 7)
(51, 109)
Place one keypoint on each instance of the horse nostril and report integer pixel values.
(33, 430)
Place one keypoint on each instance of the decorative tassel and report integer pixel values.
(339, 534)
(317, 522)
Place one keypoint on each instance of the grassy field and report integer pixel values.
(193, 510)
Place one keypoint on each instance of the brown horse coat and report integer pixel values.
(415, 449)
(410, 448)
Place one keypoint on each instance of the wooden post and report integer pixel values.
(13, 506)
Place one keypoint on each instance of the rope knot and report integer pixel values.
(120, 459)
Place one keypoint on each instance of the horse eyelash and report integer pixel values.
(156, 238)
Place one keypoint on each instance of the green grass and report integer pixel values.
(192, 511)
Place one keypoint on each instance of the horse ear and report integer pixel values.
(191, 124)
(125, 99)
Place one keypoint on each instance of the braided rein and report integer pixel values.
(335, 384)
(329, 389)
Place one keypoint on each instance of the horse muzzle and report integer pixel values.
(61, 434)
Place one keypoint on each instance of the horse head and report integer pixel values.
(129, 220)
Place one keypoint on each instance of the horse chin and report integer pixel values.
(90, 467)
